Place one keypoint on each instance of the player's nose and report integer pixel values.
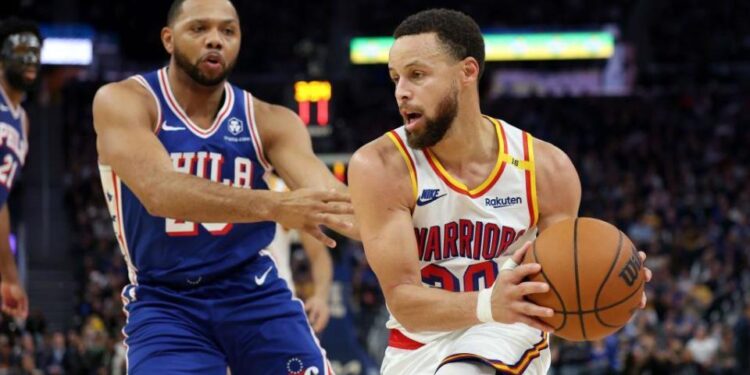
(214, 39)
(403, 91)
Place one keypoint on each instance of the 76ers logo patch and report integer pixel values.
(235, 126)
(295, 366)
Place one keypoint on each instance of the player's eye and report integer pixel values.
(417, 74)
(229, 31)
(197, 28)
(394, 80)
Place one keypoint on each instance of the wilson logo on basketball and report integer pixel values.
(629, 273)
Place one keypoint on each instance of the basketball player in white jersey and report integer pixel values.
(444, 200)
(321, 265)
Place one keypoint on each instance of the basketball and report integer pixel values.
(595, 276)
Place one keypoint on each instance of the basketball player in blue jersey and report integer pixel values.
(474, 189)
(182, 157)
(20, 56)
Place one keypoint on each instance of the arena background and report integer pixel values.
(655, 119)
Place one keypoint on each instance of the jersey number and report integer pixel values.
(8, 171)
(441, 277)
(181, 228)
(197, 163)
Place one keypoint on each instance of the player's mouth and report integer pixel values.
(30, 73)
(213, 61)
(412, 119)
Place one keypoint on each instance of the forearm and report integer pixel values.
(420, 308)
(8, 270)
(322, 274)
(185, 197)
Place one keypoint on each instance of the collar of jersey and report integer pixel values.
(497, 171)
(180, 113)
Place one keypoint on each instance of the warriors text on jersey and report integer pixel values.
(229, 152)
(13, 144)
(462, 232)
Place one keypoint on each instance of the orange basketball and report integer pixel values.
(595, 276)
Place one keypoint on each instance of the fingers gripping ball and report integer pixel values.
(595, 276)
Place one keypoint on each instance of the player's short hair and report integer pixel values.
(459, 33)
(174, 11)
(14, 25)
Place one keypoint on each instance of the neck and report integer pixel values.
(194, 98)
(471, 138)
(14, 96)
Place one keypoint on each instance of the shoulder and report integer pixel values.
(550, 160)
(126, 98)
(276, 122)
(266, 113)
(557, 183)
(380, 165)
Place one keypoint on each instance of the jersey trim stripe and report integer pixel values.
(396, 339)
(178, 111)
(528, 155)
(159, 118)
(121, 237)
(15, 111)
(407, 159)
(254, 134)
(485, 186)
(515, 369)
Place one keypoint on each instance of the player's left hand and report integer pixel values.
(648, 275)
(318, 312)
(14, 300)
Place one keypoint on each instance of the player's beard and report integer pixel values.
(15, 77)
(194, 71)
(435, 128)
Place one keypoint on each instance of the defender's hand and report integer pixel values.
(308, 209)
(318, 313)
(508, 303)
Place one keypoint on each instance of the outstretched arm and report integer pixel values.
(123, 118)
(289, 149)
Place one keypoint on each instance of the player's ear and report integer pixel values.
(469, 70)
(166, 39)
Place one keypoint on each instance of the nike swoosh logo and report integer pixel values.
(170, 128)
(422, 202)
(262, 279)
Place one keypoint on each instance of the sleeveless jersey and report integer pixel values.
(165, 250)
(13, 144)
(461, 233)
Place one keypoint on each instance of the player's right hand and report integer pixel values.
(307, 209)
(508, 303)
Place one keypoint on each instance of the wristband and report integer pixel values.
(484, 305)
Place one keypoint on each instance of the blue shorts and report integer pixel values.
(248, 322)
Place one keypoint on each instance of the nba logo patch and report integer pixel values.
(235, 126)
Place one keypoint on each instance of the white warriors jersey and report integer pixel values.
(462, 232)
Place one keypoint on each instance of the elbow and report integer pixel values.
(153, 205)
(400, 307)
(153, 201)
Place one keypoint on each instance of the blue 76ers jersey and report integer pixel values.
(166, 250)
(13, 145)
